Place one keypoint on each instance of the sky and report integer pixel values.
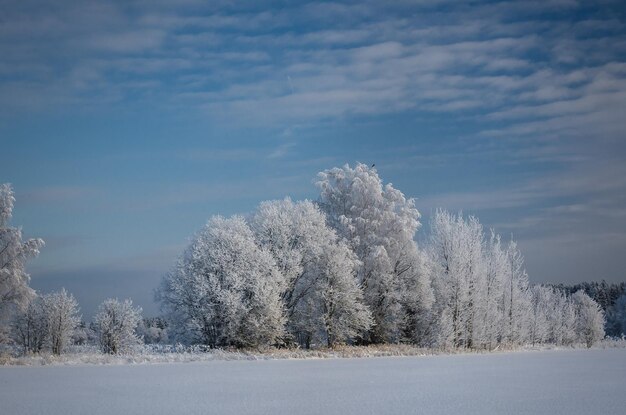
(125, 125)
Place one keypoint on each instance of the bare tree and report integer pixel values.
(116, 325)
(61, 311)
(30, 327)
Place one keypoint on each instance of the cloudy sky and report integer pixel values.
(125, 125)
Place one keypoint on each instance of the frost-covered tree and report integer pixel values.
(589, 319)
(476, 284)
(542, 300)
(49, 321)
(30, 327)
(495, 265)
(344, 315)
(459, 269)
(482, 293)
(296, 235)
(61, 310)
(225, 289)
(380, 223)
(606, 295)
(116, 326)
(418, 299)
(15, 294)
(516, 304)
(319, 289)
(561, 319)
(348, 268)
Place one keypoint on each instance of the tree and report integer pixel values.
(589, 319)
(561, 319)
(319, 290)
(458, 266)
(225, 289)
(30, 327)
(495, 265)
(344, 316)
(15, 294)
(380, 224)
(116, 325)
(61, 310)
(542, 299)
(606, 295)
(516, 298)
(481, 289)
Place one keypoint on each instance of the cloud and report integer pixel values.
(508, 61)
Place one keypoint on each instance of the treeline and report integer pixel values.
(344, 269)
(347, 269)
(610, 297)
(52, 322)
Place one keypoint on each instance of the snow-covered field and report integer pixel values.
(540, 382)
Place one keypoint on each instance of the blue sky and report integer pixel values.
(125, 125)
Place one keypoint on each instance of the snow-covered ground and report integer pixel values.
(540, 382)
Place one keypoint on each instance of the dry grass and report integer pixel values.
(166, 354)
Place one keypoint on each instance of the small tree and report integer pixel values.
(30, 327)
(116, 325)
(61, 311)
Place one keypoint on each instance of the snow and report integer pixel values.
(539, 382)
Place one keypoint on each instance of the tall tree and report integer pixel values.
(516, 298)
(495, 265)
(380, 223)
(15, 293)
(458, 266)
